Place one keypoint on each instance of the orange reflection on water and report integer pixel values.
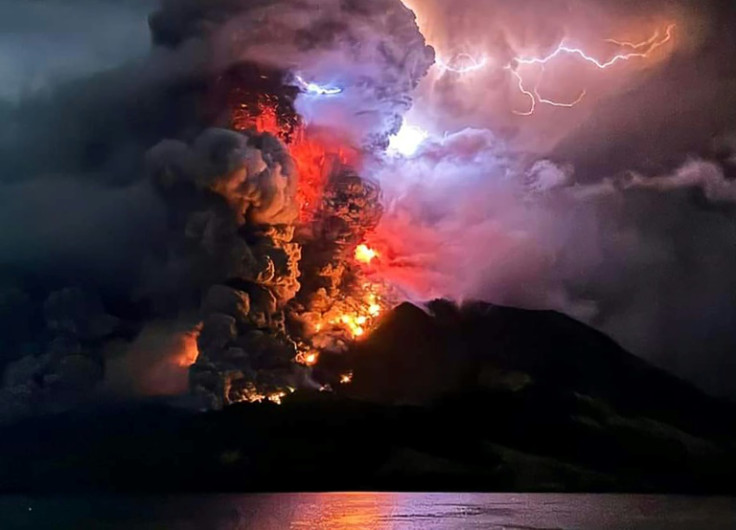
(323, 511)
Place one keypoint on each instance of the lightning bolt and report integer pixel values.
(653, 44)
(535, 97)
(639, 50)
(315, 89)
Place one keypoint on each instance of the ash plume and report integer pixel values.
(371, 51)
(156, 238)
(217, 188)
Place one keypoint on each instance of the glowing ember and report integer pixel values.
(365, 254)
(346, 379)
(359, 322)
(352, 323)
(277, 397)
(307, 358)
(252, 396)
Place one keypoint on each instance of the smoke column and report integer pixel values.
(273, 174)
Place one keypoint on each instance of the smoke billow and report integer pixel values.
(149, 251)
(371, 51)
(156, 363)
(154, 233)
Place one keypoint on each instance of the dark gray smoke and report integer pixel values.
(138, 238)
(132, 222)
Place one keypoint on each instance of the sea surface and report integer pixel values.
(369, 511)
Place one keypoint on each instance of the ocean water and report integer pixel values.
(369, 511)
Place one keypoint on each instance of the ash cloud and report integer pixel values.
(618, 211)
(628, 110)
(371, 51)
(125, 206)
(43, 44)
(132, 223)
(646, 258)
(156, 363)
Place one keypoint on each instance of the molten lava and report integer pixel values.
(365, 254)
(360, 320)
(307, 358)
(337, 303)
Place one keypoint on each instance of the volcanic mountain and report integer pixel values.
(476, 397)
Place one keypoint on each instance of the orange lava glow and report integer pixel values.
(316, 156)
(273, 397)
(276, 397)
(189, 351)
(358, 321)
(365, 254)
(315, 153)
(307, 358)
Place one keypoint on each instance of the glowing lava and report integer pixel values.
(362, 320)
(350, 318)
(307, 358)
(365, 254)
(315, 154)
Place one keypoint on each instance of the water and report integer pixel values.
(371, 511)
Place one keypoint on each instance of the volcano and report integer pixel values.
(477, 397)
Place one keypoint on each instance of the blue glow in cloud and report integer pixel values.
(317, 90)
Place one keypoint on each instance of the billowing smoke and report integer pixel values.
(156, 363)
(371, 52)
(148, 250)
(188, 221)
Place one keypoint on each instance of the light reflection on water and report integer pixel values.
(372, 511)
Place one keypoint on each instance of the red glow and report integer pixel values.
(315, 153)
(365, 254)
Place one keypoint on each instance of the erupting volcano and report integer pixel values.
(301, 207)
(378, 245)
(294, 171)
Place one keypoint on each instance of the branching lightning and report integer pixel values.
(640, 50)
(465, 63)
(651, 45)
(535, 97)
